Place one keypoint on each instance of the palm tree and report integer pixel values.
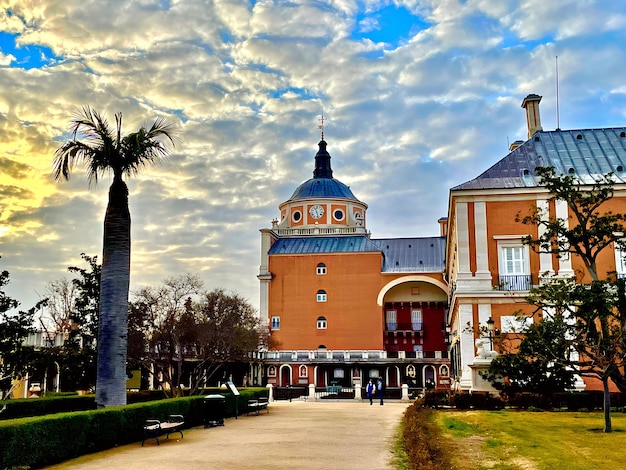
(104, 150)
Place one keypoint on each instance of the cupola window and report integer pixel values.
(321, 269)
(321, 296)
(321, 323)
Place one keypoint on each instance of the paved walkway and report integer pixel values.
(314, 435)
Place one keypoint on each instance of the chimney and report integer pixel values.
(533, 120)
(443, 226)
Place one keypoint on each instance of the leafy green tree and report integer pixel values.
(104, 150)
(15, 326)
(582, 321)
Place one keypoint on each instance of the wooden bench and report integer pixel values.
(153, 428)
(256, 405)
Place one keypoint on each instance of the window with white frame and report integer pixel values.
(321, 269)
(513, 265)
(275, 323)
(321, 323)
(416, 319)
(391, 319)
(514, 324)
(321, 296)
(620, 259)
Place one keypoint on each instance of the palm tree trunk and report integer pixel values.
(115, 283)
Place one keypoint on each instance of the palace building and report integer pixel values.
(342, 306)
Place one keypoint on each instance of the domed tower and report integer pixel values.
(321, 205)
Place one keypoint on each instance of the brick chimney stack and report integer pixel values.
(533, 120)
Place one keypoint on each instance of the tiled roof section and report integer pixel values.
(586, 153)
(413, 254)
(304, 245)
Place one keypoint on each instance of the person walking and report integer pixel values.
(381, 389)
(370, 391)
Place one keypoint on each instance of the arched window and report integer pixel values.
(321, 323)
(321, 296)
(321, 269)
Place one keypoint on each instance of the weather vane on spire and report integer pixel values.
(321, 126)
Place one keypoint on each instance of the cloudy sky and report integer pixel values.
(419, 95)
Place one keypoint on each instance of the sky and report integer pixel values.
(417, 97)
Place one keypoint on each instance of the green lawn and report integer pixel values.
(534, 440)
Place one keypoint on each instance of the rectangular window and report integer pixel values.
(416, 319)
(514, 266)
(620, 261)
(321, 270)
(391, 319)
(321, 297)
(275, 323)
(513, 324)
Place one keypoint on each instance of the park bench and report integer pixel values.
(153, 428)
(256, 405)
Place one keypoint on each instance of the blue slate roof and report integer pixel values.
(304, 245)
(399, 254)
(586, 153)
(322, 187)
(413, 254)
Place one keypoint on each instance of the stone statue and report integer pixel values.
(483, 349)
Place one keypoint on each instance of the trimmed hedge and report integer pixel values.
(45, 440)
(26, 407)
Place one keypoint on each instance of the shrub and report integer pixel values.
(421, 438)
(43, 440)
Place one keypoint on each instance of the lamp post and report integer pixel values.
(490, 328)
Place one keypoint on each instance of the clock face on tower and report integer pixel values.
(316, 211)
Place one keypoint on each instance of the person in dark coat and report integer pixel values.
(380, 387)
(370, 391)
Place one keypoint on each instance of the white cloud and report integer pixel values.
(246, 84)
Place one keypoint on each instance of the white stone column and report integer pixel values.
(405, 392)
(357, 391)
(270, 389)
(466, 339)
(312, 391)
(482, 249)
(565, 262)
(545, 259)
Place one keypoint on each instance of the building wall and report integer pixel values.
(352, 282)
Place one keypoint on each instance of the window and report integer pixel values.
(321, 269)
(321, 323)
(620, 260)
(391, 320)
(275, 323)
(321, 296)
(338, 214)
(416, 320)
(338, 373)
(296, 216)
(513, 265)
(513, 324)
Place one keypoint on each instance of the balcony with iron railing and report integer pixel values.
(516, 282)
(410, 326)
